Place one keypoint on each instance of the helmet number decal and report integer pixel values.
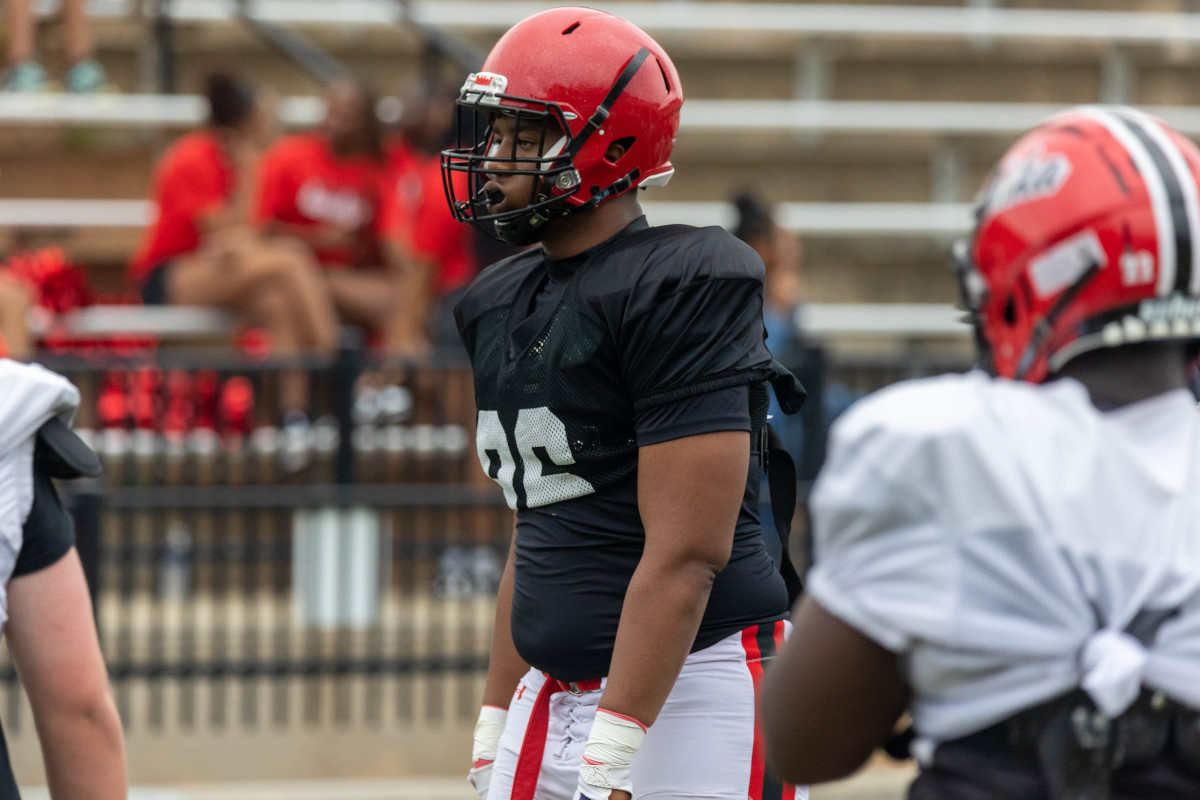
(1137, 267)
(530, 464)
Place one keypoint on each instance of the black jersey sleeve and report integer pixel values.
(695, 324)
(49, 531)
(722, 410)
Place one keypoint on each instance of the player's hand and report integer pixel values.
(606, 771)
(486, 741)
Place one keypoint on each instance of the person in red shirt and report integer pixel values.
(436, 255)
(202, 251)
(323, 188)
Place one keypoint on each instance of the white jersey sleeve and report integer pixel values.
(883, 563)
(909, 468)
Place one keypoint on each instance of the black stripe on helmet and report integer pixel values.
(1179, 221)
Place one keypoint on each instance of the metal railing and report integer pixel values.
(793, 21)
(236, 585)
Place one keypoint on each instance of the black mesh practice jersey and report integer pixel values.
(653, 335)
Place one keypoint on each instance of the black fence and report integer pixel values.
(249, 571)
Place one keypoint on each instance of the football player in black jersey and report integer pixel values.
(621, 376)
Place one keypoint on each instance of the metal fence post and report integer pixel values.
(346, 369)
(164, 41)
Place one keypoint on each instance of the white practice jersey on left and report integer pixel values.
(1005, 539)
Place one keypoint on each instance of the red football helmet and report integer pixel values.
(1088, 236)
(589, 80)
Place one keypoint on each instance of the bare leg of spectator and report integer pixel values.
(271, 283)
(364, 297)
(19, 24)
(292, 265)
(14, 326)
(85, 73)
(272, 307)
(24, 73)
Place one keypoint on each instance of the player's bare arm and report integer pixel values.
(52, 637)
(505, 665)
(832, 697)
(689, 493)
(505, 668)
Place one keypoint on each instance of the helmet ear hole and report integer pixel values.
(663, 71)
(617, 150)
(1010, 312)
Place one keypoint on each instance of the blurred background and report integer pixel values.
(293, 553)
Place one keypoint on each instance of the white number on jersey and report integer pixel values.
(542, 445)
(494, 456)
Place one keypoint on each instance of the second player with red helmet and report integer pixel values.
(1015, 556)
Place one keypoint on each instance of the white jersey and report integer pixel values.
(1004, 540)
(30, 397)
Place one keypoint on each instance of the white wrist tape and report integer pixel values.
(488, 729)
(608, 755)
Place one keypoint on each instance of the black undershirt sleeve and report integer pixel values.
(49, 531)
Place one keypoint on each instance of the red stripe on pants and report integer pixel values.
(533, 746)
(754, 664)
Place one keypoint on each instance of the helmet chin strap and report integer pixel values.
(531, 228)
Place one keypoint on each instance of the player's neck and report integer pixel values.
(570, 236)
(1123, 375)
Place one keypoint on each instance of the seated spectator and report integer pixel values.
(437, 256)
(201, 250)
(323, 188)
(26, 74)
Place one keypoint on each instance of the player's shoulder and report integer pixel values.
(924, 408)
(16, 374)
(686, 253)
(956, 406)
(32, 394)
(921, 426)
(655, 262)
(495, 286)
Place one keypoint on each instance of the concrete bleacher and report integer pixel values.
(874, 123)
